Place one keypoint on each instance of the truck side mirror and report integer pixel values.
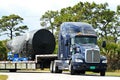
(104, 44)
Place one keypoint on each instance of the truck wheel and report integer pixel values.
(72, 71)
(56, 69)
(51, 66)
(59, 71)
(102, 73)
(82, 72)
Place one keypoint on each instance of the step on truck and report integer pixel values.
(78, 50)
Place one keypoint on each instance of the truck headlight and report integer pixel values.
(78, 60)
(104, 61)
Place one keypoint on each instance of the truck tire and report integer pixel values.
(51, 66)
(72, 71)
(12, 70)
(102, 73)
(82, 72)
(56, 69)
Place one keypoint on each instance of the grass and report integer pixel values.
(115, 74)
(3, 77)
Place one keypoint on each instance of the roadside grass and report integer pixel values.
(115, 73)
(112, 73)
(3, 77)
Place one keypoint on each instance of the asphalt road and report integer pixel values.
(52, 76)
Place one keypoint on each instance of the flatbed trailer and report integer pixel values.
(17, 65)
(41, 61)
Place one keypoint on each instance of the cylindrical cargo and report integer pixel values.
(33, 43)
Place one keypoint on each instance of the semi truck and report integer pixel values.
(78, 51)
(32, 50)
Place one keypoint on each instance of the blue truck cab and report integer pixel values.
(78, 50)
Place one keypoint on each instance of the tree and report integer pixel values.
(9, 23)
(107, 22)
(47, 20)
(3, 50)
(118, 10)
(104, 20)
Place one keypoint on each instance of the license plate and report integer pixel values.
(92, 67)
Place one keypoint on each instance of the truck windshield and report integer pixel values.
(86, 40)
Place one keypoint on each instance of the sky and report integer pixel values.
(32, 10)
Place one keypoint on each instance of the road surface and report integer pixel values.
(52, 76)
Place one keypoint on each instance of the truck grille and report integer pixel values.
(92, 56)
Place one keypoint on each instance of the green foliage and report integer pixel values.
(47, 20)
(56, 48)
(112, 51)
(118, 9)
(9, 23)
(3, 50)
(113, 56)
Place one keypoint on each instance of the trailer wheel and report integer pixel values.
(102, 73)
(12, 70)
(51, 66)
(56, 69)
(72, 71)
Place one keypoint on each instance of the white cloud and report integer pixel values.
(34, 6)
(31, 10)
